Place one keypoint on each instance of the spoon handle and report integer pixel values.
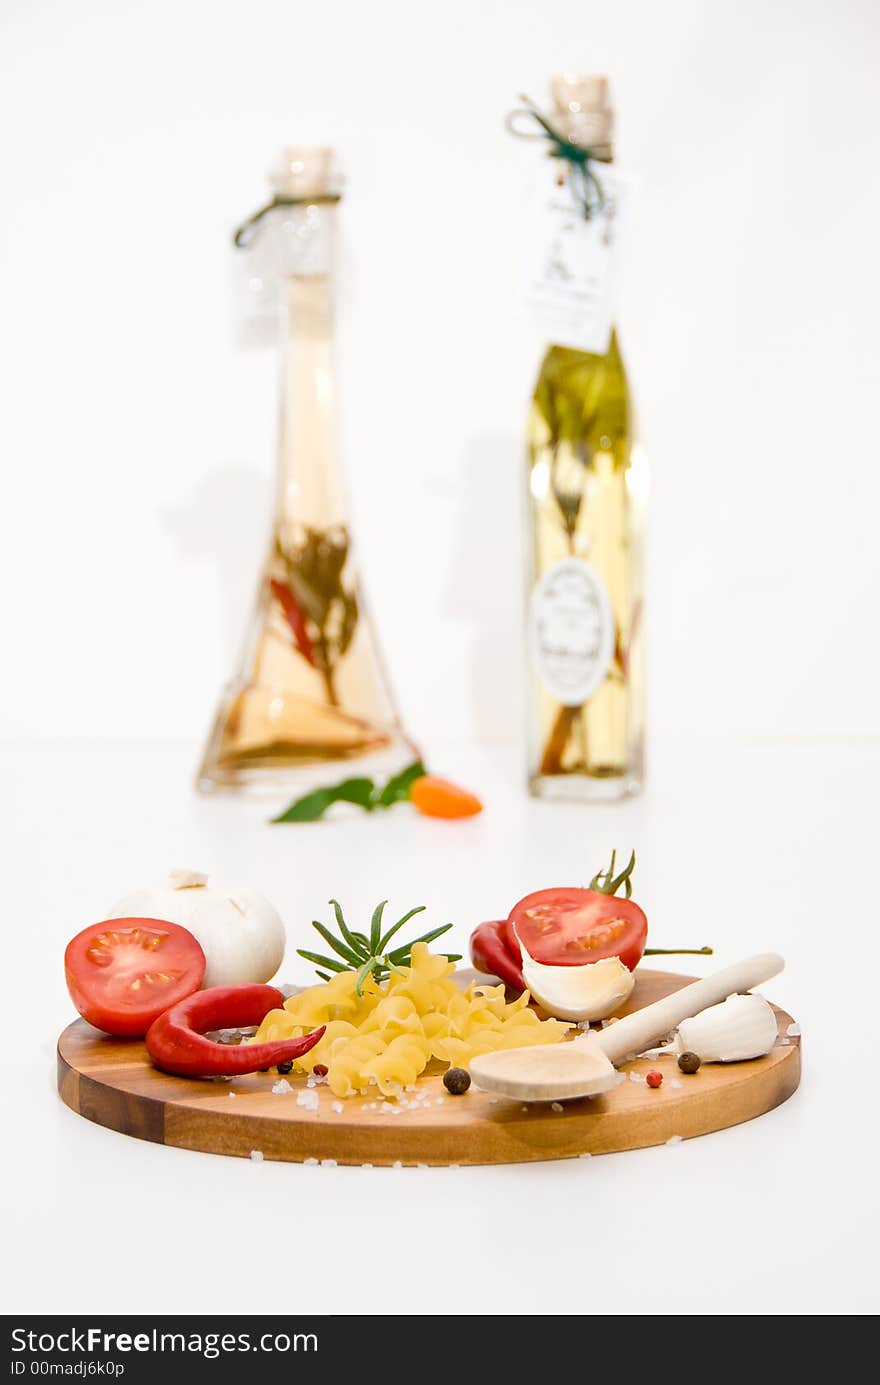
(645, 1027)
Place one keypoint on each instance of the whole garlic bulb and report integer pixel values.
(240, 932)
(741, 1027)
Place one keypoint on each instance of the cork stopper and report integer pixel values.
(582, 111)
(305, 171)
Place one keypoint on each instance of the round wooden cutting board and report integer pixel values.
(112, 1082)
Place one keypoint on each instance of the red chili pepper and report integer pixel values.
(176, 1040)
(489, 953)
(295, 619)
(654, 1078)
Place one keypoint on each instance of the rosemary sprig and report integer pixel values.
(369, 954)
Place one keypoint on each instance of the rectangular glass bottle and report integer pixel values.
(587, 484)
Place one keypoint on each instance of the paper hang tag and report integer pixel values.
(572, 263)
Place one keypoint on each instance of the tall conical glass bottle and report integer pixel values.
(586, 493)
(311, 687)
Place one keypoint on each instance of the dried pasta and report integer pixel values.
(387, 1036)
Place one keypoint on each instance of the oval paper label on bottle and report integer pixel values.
(571, 631)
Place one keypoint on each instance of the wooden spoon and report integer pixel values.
(586, 1066)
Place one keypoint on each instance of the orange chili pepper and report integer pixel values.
(440, 798)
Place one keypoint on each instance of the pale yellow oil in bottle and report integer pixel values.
(586, 494)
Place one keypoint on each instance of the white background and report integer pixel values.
(138, 430)
(137, 435)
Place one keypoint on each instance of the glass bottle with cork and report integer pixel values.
(311, 687)
(587, 482)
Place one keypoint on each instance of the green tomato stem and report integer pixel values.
(678, 952)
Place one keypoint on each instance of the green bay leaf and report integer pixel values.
(397, 790)
(312, 806)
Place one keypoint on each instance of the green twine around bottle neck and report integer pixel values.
(584, 184)
(244, 234)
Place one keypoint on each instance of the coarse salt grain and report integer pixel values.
(398, 1164)
(232, 1093)
(312, 1161)
(637, 1077)
(793, 1031)
(674, 1140)
(675, 1082)
(310, 1100)
(439, 1100)
(257, 1156)
(338, 1107)
(281, 1086)
(556, 1106)
(586, 1155)
(329, 1164)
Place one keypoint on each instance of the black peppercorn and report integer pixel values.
(689, 1062)
(285, 1067)
(456, 1081)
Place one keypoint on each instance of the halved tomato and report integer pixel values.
(571, 926)
(123, 973)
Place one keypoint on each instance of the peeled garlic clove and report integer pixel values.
(741, 1027)
(591, 992)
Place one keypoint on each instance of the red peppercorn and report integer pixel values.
(654, 1078)
(320, 1070)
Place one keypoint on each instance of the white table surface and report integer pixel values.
(745, 845)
